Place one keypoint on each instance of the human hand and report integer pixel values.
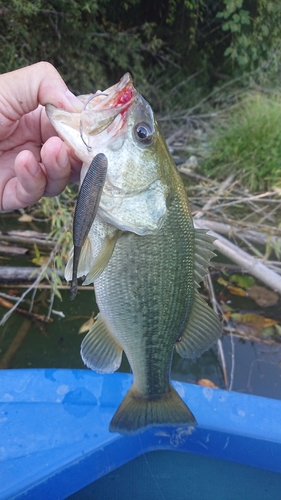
(34, 162)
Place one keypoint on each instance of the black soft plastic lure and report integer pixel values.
(86, 210)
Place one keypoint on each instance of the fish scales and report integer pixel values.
(146, 291)
(143, 255)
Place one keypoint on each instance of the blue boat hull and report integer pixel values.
(55, 439)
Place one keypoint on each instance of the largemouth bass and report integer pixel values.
(143, 255)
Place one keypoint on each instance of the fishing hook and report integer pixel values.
(80, 125)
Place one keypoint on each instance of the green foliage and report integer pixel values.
(86, 41)
(250, 144)
(93, 42)
(58, 211)
(254, 29)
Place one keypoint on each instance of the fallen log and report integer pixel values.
(15, 345)
(31, 315)
(27, 241)
(19, 274)
(12, 250)
(251, 235)
(246, 261)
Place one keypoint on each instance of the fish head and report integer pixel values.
(120, 123)
(97, 111)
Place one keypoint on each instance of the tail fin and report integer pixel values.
(136, 412)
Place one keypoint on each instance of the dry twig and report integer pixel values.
(249, 263)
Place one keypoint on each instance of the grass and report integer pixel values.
(249, 143)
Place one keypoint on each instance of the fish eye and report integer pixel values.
(143, 133)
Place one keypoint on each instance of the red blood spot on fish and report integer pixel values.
(125, 97)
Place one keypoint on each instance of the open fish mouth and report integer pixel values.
(98, 114)
(102, 108)
(116, 96)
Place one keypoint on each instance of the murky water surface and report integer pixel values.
(252, 366)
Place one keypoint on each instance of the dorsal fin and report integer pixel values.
(203, 254)
(203, 327)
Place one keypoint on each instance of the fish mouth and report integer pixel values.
(118, 96)
(98, 114)
(124, 92)
(106, 111)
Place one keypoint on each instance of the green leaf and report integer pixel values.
(242, 280)
(244, 16)
(278, 329)
(267, 332)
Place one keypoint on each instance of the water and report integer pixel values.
(166, 475)
(162, 474)
(257, 367)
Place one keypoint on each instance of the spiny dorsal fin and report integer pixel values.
(102, 259)
(202, 330)
(203, 254)
(85, 261)
(99, 350)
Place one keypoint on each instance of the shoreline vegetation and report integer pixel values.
(254, 261)
(212, 75)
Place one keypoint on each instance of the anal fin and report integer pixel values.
(99, 350)
(202, 330)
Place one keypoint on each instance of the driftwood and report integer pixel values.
(15, 344)
(221, 189)
(31, 315)
(26, 233)
(18, 274)
(33, 286)
(231, 230)
(246, 261)
(12, 250)
(27, 241)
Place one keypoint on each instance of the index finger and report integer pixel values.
(23, 89)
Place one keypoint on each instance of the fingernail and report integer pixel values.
(62, 158)
(32, 165)
(74, 101)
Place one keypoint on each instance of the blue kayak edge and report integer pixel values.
(54, 437)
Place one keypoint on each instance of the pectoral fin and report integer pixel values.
(202, 330)
(85, 261)
(99, 350)
(102, 259)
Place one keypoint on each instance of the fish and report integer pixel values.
(143, 255)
